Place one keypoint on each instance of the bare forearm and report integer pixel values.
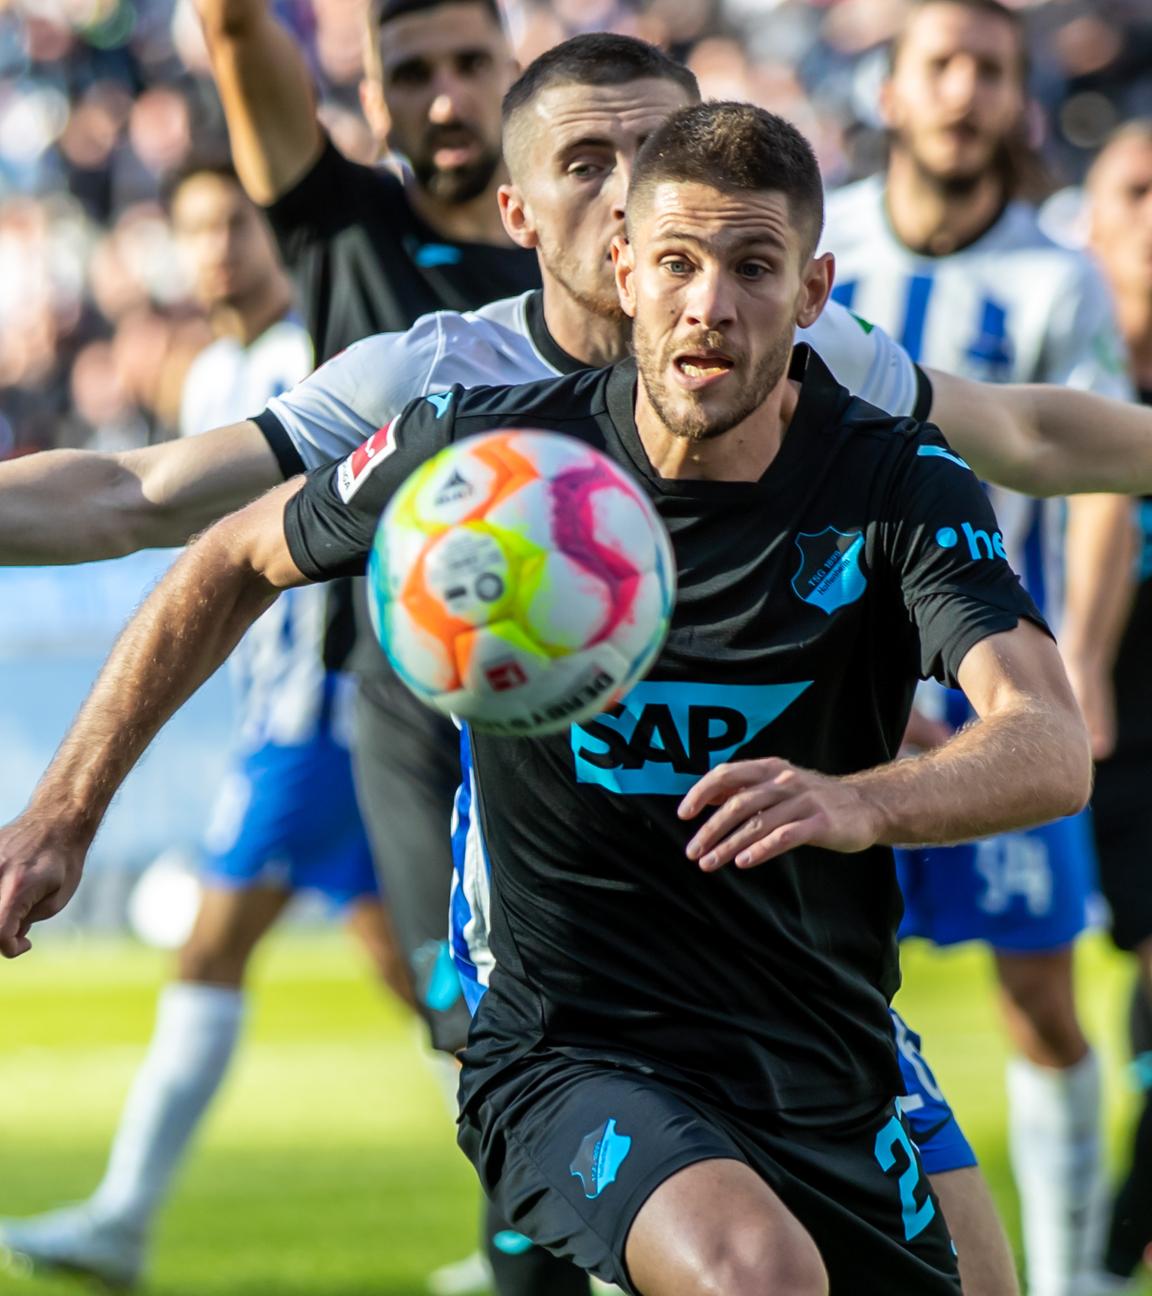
(66, 506)
(266, 91)
(72, 506)
(1024, 765)
(182, 633)
(1046, 440)
(1100, 577)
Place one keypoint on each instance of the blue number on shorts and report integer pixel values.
(916, 1217)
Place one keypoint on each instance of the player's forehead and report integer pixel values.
(205, 198)
(942, 30)
(566, 114)
(444, 32)
(1123, 166)
(721, 220)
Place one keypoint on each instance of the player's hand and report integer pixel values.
(768, 807)
(39, 872)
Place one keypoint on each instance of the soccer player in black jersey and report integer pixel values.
(1119, 190)
(682, 1072)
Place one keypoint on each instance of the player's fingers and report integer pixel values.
(736, 810)
(783, 839)
(718, 784)
(762, 823)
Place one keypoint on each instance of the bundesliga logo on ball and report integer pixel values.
(521, 581)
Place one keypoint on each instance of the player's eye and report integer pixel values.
(411, 75)
(585, 170)
(474, 62)
(676, 266)
(753, 270)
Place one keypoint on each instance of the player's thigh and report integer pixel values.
(570, 1151)
(860, 1190)
(229, 924)
(716, 1226)
(1038, 996)
(985, 1258)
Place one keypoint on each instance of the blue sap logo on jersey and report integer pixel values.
(829, 575)
(662, 737)
(440, 402)
(599, 1158)
(980, 543)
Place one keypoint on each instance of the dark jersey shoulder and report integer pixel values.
(364, 262)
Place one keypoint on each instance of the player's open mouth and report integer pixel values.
(698, 370)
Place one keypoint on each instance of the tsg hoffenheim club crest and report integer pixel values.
(829, 575)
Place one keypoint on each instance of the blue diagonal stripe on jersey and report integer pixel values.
(938, 452)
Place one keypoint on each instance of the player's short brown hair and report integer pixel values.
(736, 147)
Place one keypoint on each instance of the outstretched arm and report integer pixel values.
(1045, 440)
(179, 637)
(72, 506)
(1024, 761)
(266, 91)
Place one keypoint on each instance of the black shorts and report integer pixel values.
(407, 767)
(569, 1151)
(1122, 820)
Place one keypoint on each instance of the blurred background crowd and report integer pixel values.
(100, 99)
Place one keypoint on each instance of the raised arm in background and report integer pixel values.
(266, 90)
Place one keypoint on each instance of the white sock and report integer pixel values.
(1054, 1122)
(195, 1035)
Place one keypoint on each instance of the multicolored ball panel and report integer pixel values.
(521, 580)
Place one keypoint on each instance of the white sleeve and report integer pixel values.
(863, 358)
(1083, 347)
(360, 390)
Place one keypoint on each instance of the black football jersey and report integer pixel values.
(364, 262)
(809, 603)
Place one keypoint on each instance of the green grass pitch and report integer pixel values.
(328, 1166)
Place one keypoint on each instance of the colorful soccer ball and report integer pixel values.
(521, 581)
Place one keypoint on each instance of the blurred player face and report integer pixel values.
(442, 76)
(956, 93)
(223, 240)
(1120, 191)
(715, 283)
(571, 162)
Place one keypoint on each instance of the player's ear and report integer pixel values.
(623, 264)
(375, 111)
(517, 216)
(815, 287)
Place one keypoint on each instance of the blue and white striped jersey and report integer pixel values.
(285, 694)
(1013, 306)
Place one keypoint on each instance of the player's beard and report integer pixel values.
(954, 185)
(680, 411)
(453, 185)
(599, 298)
